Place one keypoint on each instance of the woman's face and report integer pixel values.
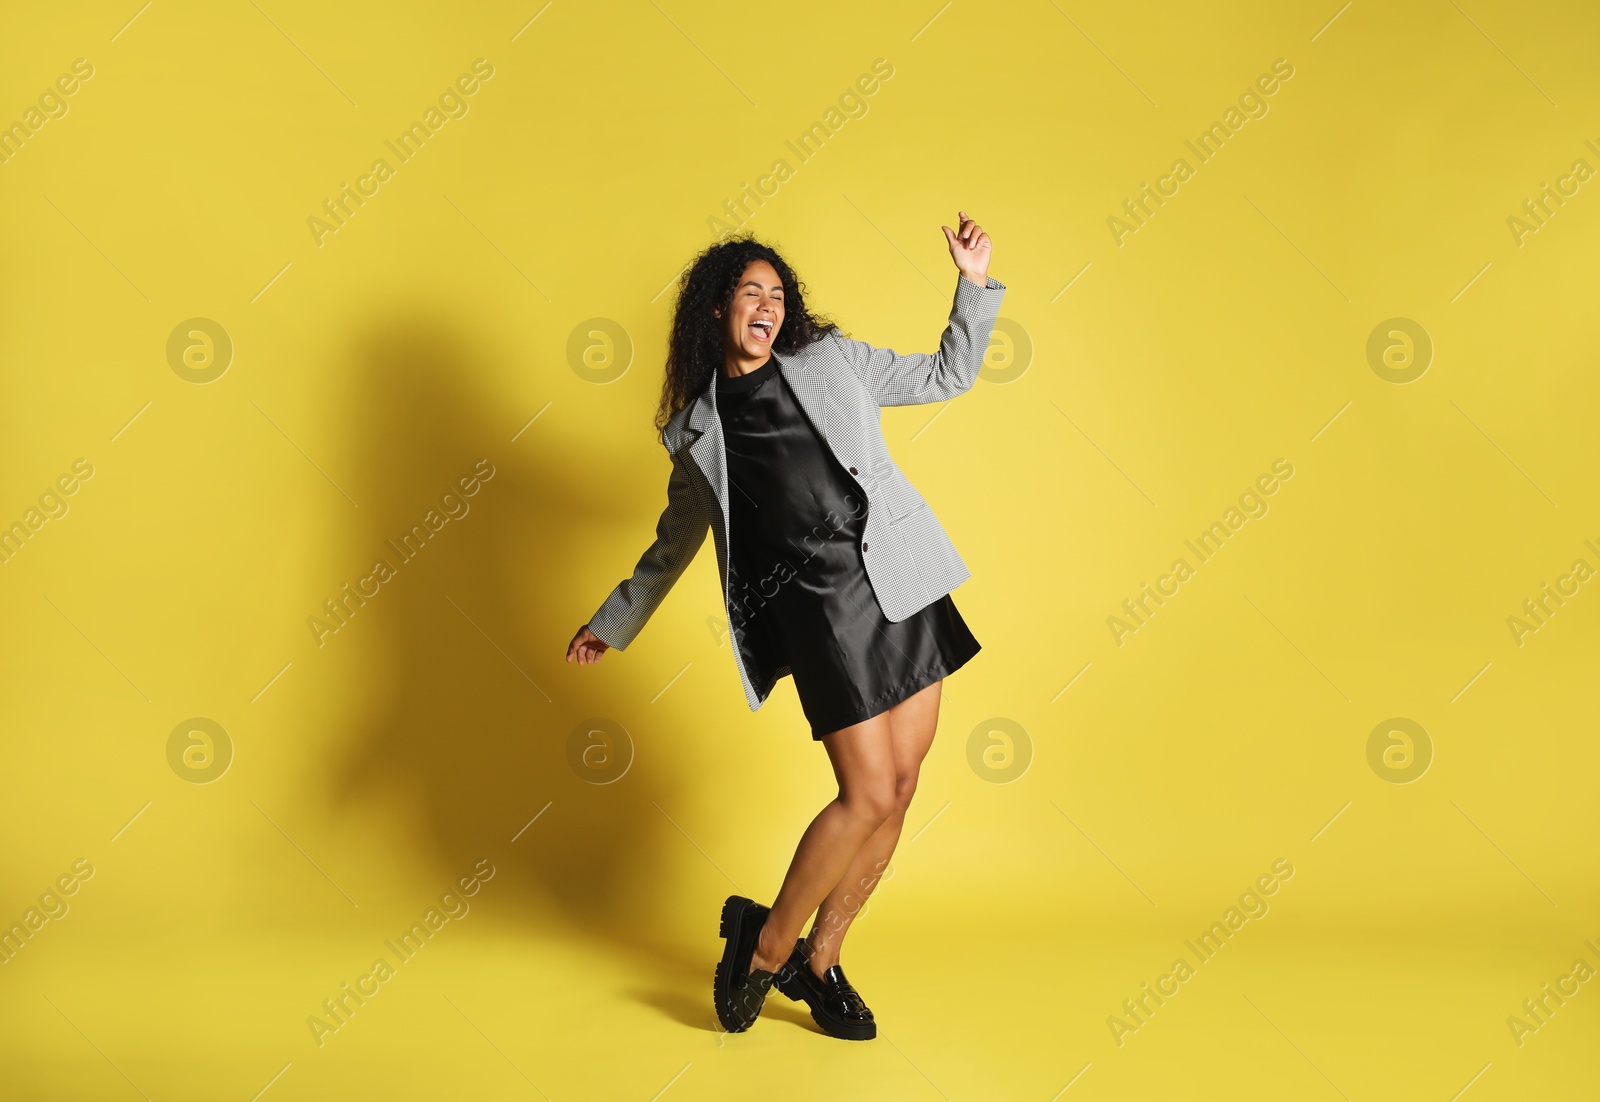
(755, 314)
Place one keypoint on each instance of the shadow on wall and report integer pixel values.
(461, 732)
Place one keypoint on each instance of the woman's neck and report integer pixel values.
(732, 366)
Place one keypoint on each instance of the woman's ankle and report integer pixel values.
(767, 956)
(820, 958)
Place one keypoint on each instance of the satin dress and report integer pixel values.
(799, 597)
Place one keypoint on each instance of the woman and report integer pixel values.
(834, 571)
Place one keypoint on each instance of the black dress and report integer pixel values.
(799, 596)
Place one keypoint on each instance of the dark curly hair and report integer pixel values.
(695, 349)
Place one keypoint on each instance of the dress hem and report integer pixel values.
(937, 672)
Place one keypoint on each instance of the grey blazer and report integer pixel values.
(840, 383)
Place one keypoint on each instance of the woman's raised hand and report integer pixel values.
(969, 248)
(587, 646)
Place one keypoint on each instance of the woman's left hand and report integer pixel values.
(969, 248)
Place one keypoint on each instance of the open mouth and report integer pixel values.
(761, 329)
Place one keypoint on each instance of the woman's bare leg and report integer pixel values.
(912, 724)
(863, 760)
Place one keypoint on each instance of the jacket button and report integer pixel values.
(852, 470)
(863, 545)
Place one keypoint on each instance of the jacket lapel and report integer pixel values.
(705, 430)
(705, 447)
(810, 390)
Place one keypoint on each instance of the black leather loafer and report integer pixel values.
(738, 990)
(835, 1005)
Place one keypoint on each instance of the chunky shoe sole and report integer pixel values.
(737, 992)
(796, 987)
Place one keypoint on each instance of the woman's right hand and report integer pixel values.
(587, 646)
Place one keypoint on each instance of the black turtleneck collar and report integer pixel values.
(736, 384)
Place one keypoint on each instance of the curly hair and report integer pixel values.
(695, 348)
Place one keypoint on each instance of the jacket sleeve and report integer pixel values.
(679, 534)
(903, 380)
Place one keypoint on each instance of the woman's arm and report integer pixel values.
(679, 534)
(901, 380)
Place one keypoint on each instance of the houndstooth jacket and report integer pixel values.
(840, 384)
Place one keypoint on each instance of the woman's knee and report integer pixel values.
(905, 787)
(872, 799)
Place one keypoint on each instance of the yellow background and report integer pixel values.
(373, 370)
